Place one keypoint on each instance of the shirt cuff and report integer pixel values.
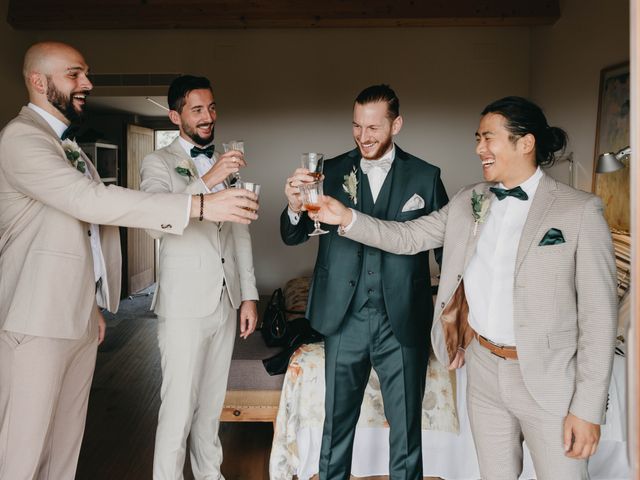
(343, 230)
(204, 185)
(294, 217)
(188, 210)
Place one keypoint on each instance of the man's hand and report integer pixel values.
(580, 437)
(102, 327)
(300, 176)
(248, 318)
(227, 163)
(230, 205)
(332, 212)
(458, 360)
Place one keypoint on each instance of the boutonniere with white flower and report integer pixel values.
(350, 185)
(479, 209)
(185, 169)
(74, 154)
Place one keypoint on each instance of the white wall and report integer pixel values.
(566, 60)
(289, 91)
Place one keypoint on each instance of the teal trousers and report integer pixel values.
(365, 340)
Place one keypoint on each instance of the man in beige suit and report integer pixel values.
(60, 261)
(527, 288)
(204, 277)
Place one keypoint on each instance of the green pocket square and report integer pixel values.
(552, 237)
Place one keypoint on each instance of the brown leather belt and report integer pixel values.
(499, 350)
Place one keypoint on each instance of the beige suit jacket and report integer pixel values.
(194, 265)
(47, 285)
(564, 305)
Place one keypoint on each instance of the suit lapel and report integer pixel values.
(400, 179)
(179, 155)
(473, 231)
(352, 160)
(542, 202)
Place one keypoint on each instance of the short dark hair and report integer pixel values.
(381, 93)
(180, 88)
(523, 117)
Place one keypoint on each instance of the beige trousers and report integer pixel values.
(195, 355)
(44, 392)
(502, 413)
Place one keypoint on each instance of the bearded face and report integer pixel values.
(70, 105)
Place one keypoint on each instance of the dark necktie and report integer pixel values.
(208, 151)
(70, 132)
(517, 192)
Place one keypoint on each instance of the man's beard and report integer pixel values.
(383, 148)
(62, 103)
(197, 139)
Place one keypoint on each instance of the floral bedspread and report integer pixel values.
(302, 405)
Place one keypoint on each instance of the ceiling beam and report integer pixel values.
(205, 14)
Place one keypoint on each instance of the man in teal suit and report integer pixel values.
(374, 308)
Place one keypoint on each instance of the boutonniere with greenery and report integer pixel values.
(350, 185)
(185, 169)
(74, 154)
(479, 209)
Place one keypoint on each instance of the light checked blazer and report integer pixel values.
(564, 305)
(194, 266)
(47, 284)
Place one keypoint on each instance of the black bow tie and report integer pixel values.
(208, 151)
(517, 192)
(70, 132)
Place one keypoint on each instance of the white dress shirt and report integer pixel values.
(489, 278)
(376, 177)
(99, 267)
(202, 163)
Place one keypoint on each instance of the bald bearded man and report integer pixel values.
(60, 261)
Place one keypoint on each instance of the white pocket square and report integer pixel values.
(414, 203)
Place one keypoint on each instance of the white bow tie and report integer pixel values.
(383, 163)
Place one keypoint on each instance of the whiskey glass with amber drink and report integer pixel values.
(314, 162)
(252, 187)
(310, 194)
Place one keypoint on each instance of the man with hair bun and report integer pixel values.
(527, 295)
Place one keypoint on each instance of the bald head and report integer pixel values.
(43, 57)
(56, 77)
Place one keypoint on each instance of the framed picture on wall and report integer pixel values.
(612, 135)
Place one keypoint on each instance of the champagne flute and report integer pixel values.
(311, 193)
(313, 162)
(233, 145)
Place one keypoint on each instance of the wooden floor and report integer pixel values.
(123, 409)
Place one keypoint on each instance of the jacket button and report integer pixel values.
(89, 232)
(370, 291)
(442, 305)
(370, 272)
(352, 283)
(223, 260)
(459, 277)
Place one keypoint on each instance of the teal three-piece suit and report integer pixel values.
(374, 309)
